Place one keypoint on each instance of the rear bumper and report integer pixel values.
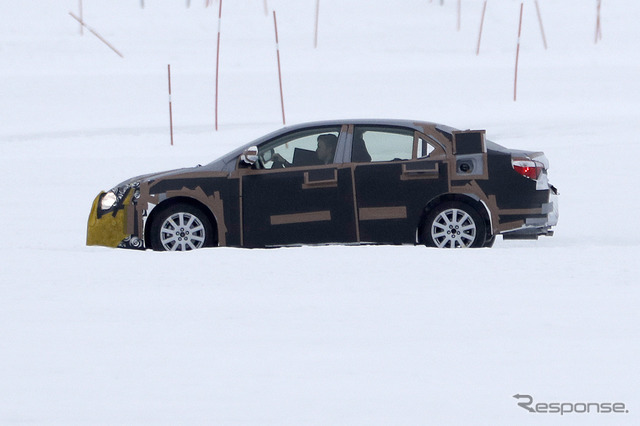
(535, 227)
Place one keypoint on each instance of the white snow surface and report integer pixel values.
(397, 335)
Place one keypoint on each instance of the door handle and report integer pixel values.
(320, 178)
(420, 171)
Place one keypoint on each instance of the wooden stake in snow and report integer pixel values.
(81, 18)
(484, 8)
(544, 39)
(218, 60)
(96, 34)
(275, 24)
(170, 112)
(598, 28)
(315, 40)
(515, 80)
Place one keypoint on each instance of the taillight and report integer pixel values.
(527, 167)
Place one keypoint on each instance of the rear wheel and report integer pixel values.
(454, 225)
(181, 227)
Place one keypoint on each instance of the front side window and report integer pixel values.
(308, 147)
(372, 144)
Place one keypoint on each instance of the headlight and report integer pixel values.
(116, 196)
(108, 200)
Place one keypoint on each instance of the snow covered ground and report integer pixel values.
(314, 335)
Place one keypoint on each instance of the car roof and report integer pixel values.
(414, 124)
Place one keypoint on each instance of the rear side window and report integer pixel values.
(372, 144)
(425, 148)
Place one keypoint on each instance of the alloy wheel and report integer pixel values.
(182, 231)
(453, 228)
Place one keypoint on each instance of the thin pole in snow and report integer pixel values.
(218, 60)
(96, 34)
(170, 111)
(544, 39)
(598, 27)
(484, 8)
(315, 40)
(81, 18)
(266, 8)
(275, 24)
(141, 4)
(515, 80)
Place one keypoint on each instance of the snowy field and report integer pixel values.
(314, 335)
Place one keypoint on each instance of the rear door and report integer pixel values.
(396, 171)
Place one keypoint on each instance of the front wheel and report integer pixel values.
(489, 241)
(454, 225)
(181, 227)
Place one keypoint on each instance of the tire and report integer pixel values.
(454, 224)
(181, 227)
(489, 241)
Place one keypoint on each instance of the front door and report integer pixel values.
(297, 193)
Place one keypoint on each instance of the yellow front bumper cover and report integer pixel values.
(110, 228)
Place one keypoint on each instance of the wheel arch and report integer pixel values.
(169, 202)
(470, 200)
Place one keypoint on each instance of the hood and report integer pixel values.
(150, 177)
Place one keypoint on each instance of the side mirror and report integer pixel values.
(250, 155)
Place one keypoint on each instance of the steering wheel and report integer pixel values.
(278, 161)
(277, 164)
(263, 159)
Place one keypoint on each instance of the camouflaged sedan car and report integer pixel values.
(361, 182)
